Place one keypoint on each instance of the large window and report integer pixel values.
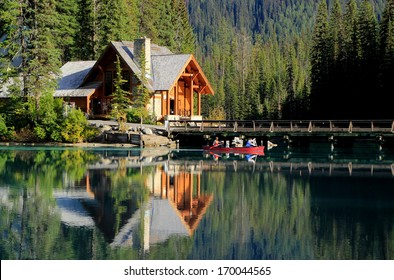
(109, 81)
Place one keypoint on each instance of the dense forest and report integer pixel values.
(296, 59)
(264, 58)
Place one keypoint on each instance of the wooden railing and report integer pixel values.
(284, 126)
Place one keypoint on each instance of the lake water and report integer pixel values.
(292, 203)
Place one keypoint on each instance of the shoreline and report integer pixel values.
(77, 145)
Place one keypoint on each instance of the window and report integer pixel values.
(108, 83)
(126, 77)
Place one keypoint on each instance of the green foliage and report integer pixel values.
(138, 114)
(5, 132)
(217, 113)
(141, 99)
(347, 63)
(121, 101)
(75, 128)
(115, 21)
(66, 27)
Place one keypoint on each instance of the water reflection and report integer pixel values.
(162, 204)
(124, 198)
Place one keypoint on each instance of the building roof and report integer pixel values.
(73, 73)
(166, 69)
(76, 76)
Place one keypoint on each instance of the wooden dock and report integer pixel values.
(379, 130)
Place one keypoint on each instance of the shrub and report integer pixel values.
(134, 115)
(3, 127)
(75, 126)
(6, 133)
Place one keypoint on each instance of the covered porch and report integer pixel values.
(183, 99)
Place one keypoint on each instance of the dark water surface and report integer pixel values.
(298, 203)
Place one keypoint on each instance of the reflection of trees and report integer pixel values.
(259, 216)
(47, 166)
(254, 215)
(30, 227)
(355, 221)
(127, 186)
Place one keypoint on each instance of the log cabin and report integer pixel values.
(175, 82)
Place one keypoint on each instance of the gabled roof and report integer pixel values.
(77, 78)
(124, 50)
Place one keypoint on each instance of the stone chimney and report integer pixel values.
(143, 45)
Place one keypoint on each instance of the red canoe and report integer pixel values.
(259, 150)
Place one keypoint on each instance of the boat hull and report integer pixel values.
(259, 150)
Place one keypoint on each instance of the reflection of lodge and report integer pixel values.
(174, 208)
(180, 186)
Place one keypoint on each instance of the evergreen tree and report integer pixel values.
(143, 95)
(320, 61)
(165, 25)
(13, 36)
(386, 86)
(86, 42)
(116, 22)
(252, 107)
(31, 41)
(184, 36)
(231, 89)
(66, 28)
(149, 16)
(121, 101)
(337, 35)
(368, 54)
(42, 67)
(339, 95)
(290, 109)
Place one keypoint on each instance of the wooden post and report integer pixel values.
(191, 96)
(199, 103)
(176, 98)
(87, 105)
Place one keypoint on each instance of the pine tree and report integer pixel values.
(86, 42)
(351, 31)
(320, 61)
(149, 17)
(121, 101)
(66, 28)
(387, 60)
(115, 22)
(12, 38)
(35, 77)
(368, 55)
(184, 37)
(42, 67)
(231, 88)
(165, 25)
(339, 94)
(337, 32)
(142, 98)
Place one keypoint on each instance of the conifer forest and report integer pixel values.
(266, 59)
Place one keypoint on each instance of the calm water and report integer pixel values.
(299, 203)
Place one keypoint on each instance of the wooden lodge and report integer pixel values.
(175, 81)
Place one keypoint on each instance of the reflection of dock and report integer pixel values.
(146, 157)
(306, 168)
